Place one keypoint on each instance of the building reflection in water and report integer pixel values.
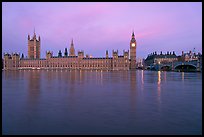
(142, 76)
(124, 77)
(159, 86)
(101, 77)
(133, 81)
(182, 74)
(164, 76)
(80, 76)
(72, 78)
(34, 88)
(114, 75)
(13, 75)
(49, 77)
(133, 93)
(71, 82)
(142, 80)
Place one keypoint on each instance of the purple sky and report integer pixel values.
(96, 27)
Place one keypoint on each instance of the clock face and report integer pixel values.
(133, 44)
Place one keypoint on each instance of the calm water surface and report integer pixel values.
(101, 102)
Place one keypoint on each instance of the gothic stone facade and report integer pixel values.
(34, 47)
(116, 62)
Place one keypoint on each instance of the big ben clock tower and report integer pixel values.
(133, 52)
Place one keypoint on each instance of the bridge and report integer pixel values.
(191, 66)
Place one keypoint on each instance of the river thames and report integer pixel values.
(101, 102)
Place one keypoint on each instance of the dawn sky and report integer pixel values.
(96, 27)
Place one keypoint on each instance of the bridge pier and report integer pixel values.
(198, 65)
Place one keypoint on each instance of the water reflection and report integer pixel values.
(142, 77)
(159, 78)
(159, 86)
(142, 80)
(99, 77)
(182, 75)
(164, 76)
(133, 81)
(34, 87)
(72, 79)
(127, 102)
(14, 75)
(81, 76)
(133, 92)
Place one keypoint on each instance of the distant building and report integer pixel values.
(73, 61)
(161, 58)
(189, 56)
(140, 63)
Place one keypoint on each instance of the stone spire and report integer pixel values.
(106, 53)
(34, 34)
(133, 35)
(65, 53)
(72, 50)
(72, 43)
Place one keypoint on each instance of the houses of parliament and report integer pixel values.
(126, 61)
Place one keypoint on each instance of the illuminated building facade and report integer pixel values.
(161, 58)
(71, 61)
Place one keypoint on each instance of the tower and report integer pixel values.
(126, 59)
(49, 54)
(59, 53)
(33, 47)
(15, 60)
(115, 60)
(81, 54)
(133, 46)
(72, 50)
(7, 61)
(65, 52)
(106, 53)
